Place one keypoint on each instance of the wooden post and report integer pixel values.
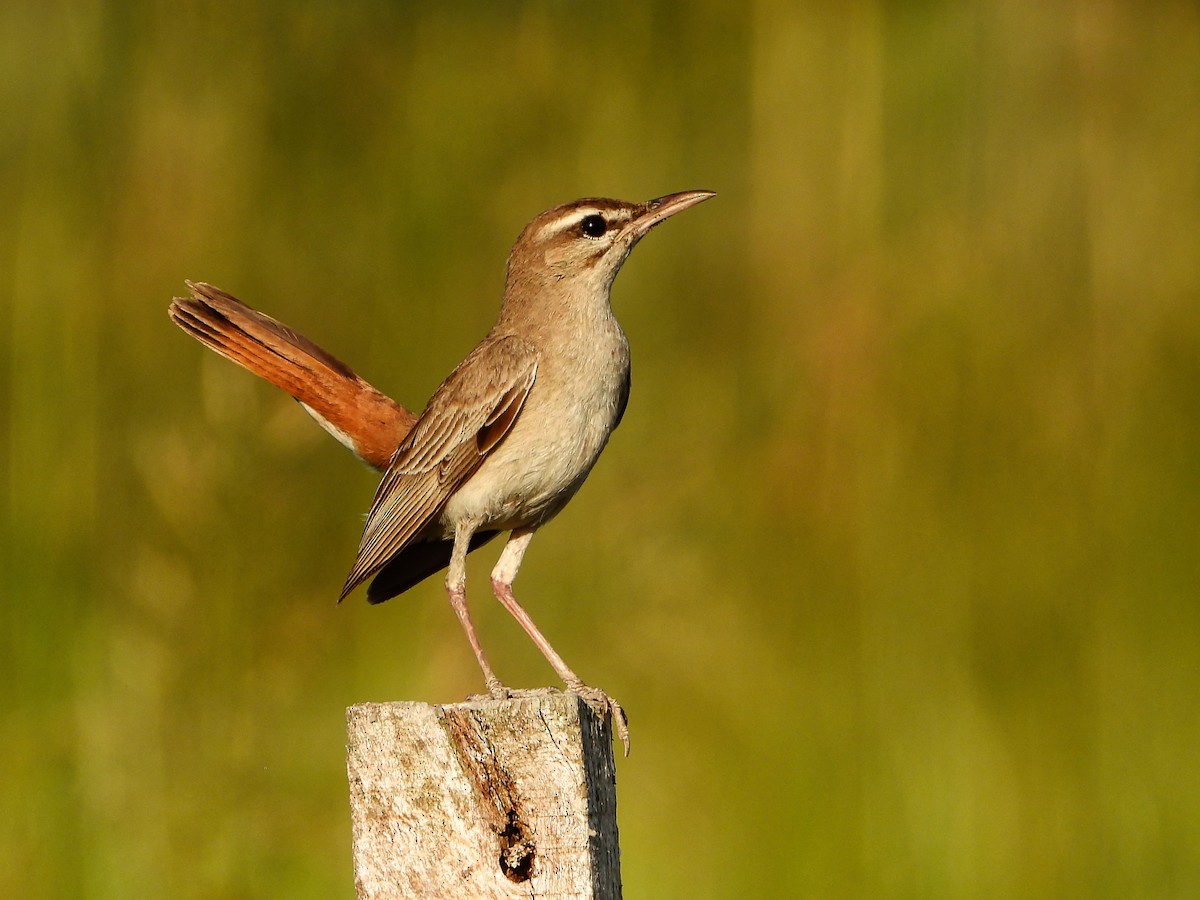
(488, 798)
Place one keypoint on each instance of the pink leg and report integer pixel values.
(502, 579)
(456, 589)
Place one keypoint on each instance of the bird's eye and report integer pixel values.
(593, 226)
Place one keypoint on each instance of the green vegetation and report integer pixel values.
(895, 560)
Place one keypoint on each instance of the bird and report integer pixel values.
(508, 437)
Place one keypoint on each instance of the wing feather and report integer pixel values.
(467, 417)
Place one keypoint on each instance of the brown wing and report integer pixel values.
(416, 562)
(466, 418)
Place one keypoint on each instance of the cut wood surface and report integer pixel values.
(487, 798)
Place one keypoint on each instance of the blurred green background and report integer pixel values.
(895, 560)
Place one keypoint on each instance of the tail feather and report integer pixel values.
(367, 421)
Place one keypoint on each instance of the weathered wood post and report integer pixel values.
(487, 798)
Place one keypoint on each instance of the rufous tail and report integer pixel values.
(362, 418)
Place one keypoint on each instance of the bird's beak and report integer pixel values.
(655, 211)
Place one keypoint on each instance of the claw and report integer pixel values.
(605, 706)
(600, 703)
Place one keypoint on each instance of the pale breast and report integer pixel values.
(565, 423)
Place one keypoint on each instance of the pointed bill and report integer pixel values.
(662, 208)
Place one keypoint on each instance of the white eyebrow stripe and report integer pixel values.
(566, 223)
(616, 218)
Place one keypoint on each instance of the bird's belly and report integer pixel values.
(532, 474)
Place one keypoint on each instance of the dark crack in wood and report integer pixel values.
(500, 801)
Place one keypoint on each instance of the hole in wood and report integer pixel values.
(517, 851)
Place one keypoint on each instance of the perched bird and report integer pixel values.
(508, 437)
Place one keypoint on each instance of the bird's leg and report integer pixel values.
(456, 589)
(502, 579)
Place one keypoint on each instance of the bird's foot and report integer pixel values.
(499, 691)
(604, 706)
(496, 691)
(601, 704)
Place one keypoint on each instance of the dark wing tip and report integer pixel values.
(414, 564)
